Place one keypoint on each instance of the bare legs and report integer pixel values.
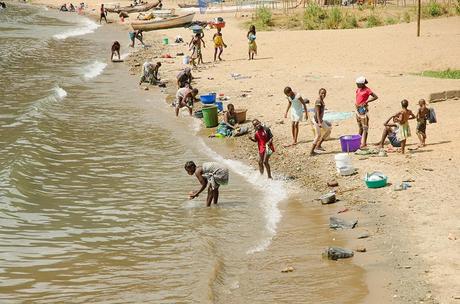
(220, 50)
(363, 124)
(213, 196)
(295, 132)
(181, 105)
(263, 161)
(385, 133)
(422, 137)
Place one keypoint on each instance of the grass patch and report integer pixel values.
(263, 19)
(406, 17)
(373, 20)
(447, 74)
(316, 17)
(390, 20)
(433, 9)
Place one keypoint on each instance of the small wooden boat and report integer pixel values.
(152, 25)
(134, 9)
(187, 5)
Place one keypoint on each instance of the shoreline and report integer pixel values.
(359, 201)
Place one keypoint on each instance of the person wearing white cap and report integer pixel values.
(362, 100)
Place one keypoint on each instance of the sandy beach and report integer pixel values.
(411, 254)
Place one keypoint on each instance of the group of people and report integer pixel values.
(71, 7)
(197, 42)
(396, 127)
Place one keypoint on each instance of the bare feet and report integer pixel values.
(320, 149)
(313, 153)
(289, 145)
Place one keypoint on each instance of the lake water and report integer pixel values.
(93, 193)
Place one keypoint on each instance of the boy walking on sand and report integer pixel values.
(298, 107)
(362, 100)
(264, 139)
(403, 120)
(422, 116)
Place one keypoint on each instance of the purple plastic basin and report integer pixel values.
(350, 143)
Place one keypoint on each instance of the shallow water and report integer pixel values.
(93, 194)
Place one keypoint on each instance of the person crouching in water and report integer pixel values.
(210, 173)
(298, 107)
(322, 127)
(185, 98)
(150, 73)
(115, 49)
(264, 139)
(184, 78)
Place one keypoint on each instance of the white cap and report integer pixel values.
(361, 80)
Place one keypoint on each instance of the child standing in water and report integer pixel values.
(219, 44)
(403, 120)
(362, 100)
(103, 14)
(264, 139)
(422, 116)
(298, 107)
(115, 49)
(252, 42)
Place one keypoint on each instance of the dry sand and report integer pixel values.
(415, 234)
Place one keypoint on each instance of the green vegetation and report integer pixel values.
(390, 20)
(406, 17)
(433, 9)
(335, 18)
(313, 17)
(449, 74)
(373, 20)
(316, 17)
(350, 22)
(263, 19)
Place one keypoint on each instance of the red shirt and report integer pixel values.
(262, 137)
(362, 95)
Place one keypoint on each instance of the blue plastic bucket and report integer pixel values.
(208, 98)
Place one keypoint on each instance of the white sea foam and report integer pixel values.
(274, 192)
(39, 106)
(84, 27)
(124, 56)
(59, 93)
(93, 70)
